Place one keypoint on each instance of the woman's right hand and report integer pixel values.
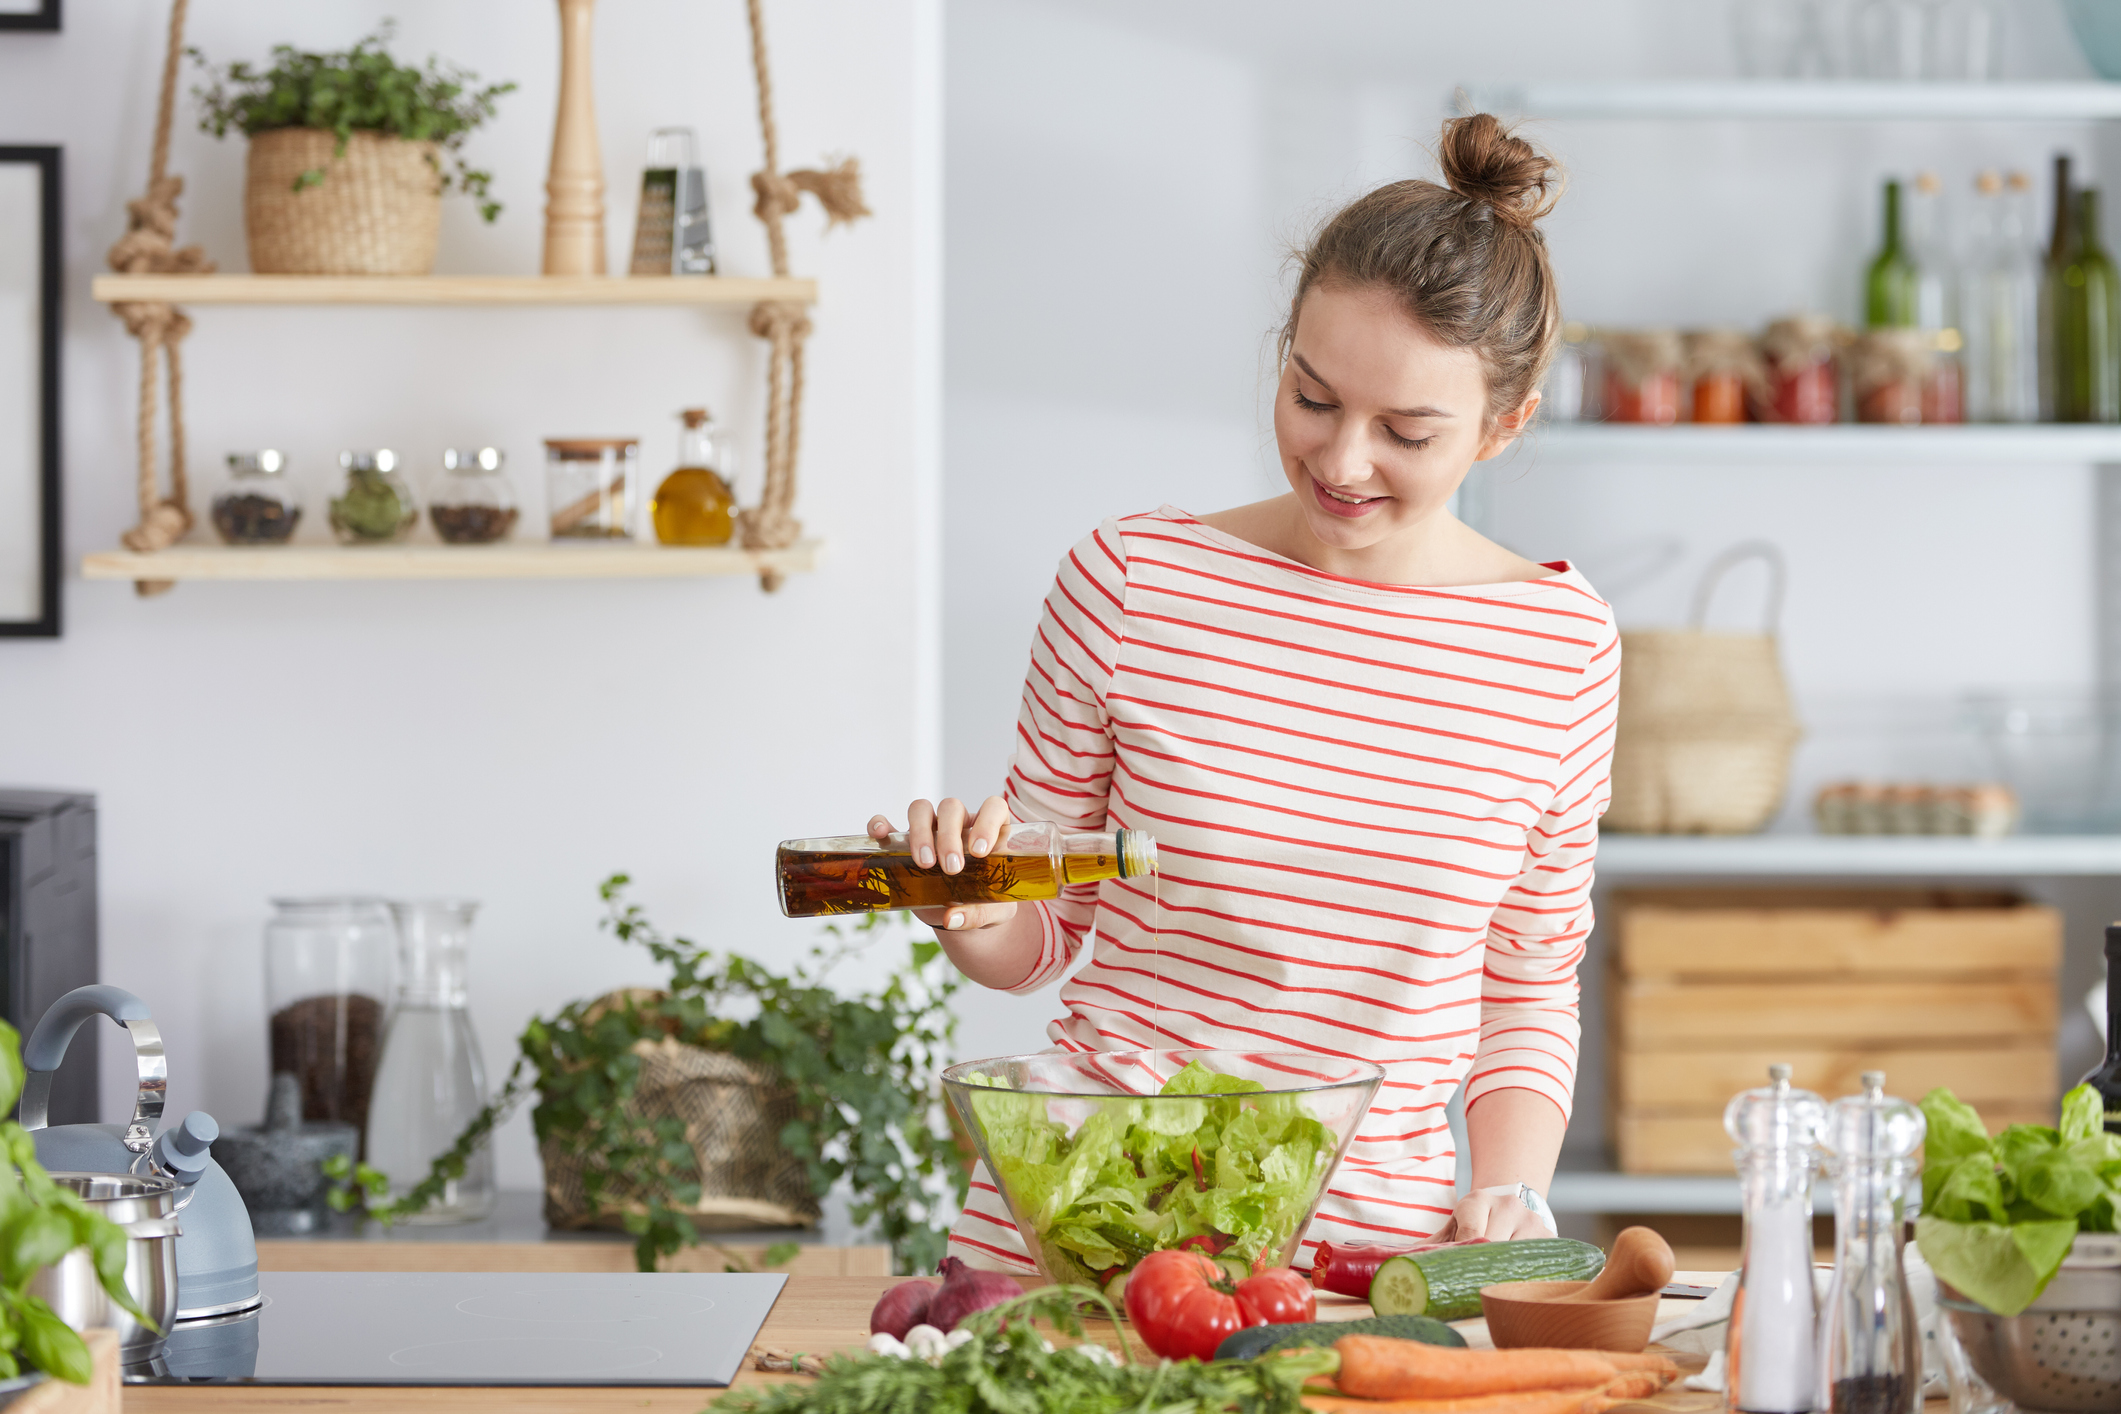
(942, 834)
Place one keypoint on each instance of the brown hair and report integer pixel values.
(1465, 259)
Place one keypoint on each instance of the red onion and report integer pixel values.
(966, 1290)
(901, 1309)
(1349, 1270)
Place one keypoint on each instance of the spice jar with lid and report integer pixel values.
(589, 484)
(1642, 375)
(256, 506)
(473, 504)
(694, 505)
(377, 506)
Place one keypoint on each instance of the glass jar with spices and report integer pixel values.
(256, 506)
(473, 504)
(327, 979)
(695, 505)
(377, 506)
(589, 484)
(1642, 375)
(1725, 372)
(1803, 379)
(1891, 370)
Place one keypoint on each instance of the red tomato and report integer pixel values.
(1184, 1306)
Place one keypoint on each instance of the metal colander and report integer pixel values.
(2062, 1353)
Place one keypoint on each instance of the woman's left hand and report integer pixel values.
(1499, 1217)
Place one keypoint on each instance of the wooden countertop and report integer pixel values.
(819, 1311)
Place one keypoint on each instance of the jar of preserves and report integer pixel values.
(473, 504)
(589, 485)
(1803, 376)
(377, 506)
(256, 505)
(1724, 370)
(1642, 375)
(1891, 370)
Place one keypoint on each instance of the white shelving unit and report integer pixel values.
(1850, 856)
(1819, 101)
(1753, 444)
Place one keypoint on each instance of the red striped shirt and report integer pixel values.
(1375, 809)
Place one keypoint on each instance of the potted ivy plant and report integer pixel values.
(733, 1095)
(345, 173)
(40, 1223)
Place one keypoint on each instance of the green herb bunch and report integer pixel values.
(1010, 1368)
(862, 1067)
(1999, 1215)
(359, 88)
(40, 1222)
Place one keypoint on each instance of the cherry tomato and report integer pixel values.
(1184, 1305)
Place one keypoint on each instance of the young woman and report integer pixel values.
(1371, 745)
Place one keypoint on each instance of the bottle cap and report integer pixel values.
(2113, 941)
(381, 459)
(1872, 1127)
(265, 462)
(696, 417)
(1775, 1116)
(1987, 182)
(1137, 853)
(470, 463)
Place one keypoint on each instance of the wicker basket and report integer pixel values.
(733, 1111)
(378, 210)
(1706, 730)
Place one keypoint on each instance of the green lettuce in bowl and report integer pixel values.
(1999, 1215)
(1106, 1157)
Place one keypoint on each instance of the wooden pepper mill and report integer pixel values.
(574, 188)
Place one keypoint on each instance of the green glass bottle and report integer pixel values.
(1892, 288)
(2085, 296)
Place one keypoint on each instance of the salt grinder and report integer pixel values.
(1773, 1340)
(1870, 1346)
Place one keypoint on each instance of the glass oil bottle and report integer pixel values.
(1771, 1350)
(696, 504)
(1870, 1345)
(857, 874)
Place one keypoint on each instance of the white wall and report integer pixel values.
(509, 741)
(1123, 179)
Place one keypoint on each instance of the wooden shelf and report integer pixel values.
(529, 560)
(1846, 856)
(1774, 99)
(1995, 444)
(451, 289)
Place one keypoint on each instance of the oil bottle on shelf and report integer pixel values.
(696, 503)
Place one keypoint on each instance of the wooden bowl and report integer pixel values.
(1525, 1313)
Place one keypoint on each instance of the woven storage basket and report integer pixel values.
(733, 1111)
(378, 210)
(1706, 730)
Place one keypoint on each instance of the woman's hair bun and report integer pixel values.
(1483, 161)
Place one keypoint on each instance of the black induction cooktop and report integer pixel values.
(476, 1328)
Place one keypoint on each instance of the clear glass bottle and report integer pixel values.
(1772, 1345)
(696, 504)
(377, 506)
(327, 979)
(857, 874)
(2000, 304)
(1930, 246)
(1870, 1345)
(256, 505)
(432, 1080)
(473, 504)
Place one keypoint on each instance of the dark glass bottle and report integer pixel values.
(2106, 1079)
(2086, 300)
(1892, 288)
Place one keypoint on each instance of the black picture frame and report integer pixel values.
(45, 17)
(45, 623)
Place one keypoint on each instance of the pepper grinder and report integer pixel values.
(1870, 1345)
(1774, 1326)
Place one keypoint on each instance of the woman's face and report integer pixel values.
(1376, 420)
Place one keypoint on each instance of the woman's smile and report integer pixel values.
(1341, 503)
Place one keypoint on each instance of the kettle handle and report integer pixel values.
(55, 1031)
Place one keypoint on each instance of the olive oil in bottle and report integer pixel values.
(695, 505)
(857, 874)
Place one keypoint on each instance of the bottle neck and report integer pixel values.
(696, 447)
(2113, 1004)
(2087, 221)
(432, 958)
(2058, 246)
(1122, 854)
(1892, 219)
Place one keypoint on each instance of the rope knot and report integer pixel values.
(779, 322)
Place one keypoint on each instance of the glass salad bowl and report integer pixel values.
(1104, 1157)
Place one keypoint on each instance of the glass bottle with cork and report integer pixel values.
(2081, 308)
(1036, 860)
(696, 504)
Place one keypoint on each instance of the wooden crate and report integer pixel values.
(1711, 986)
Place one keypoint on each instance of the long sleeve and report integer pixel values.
(1528, 1010)
(1062, 770)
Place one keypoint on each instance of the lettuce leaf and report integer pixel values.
(2001, 1267)
(2083, 1114)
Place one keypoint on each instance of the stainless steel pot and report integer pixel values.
(146, 1208)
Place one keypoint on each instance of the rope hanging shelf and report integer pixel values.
(153, 276)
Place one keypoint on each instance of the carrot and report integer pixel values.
(1635, 1384)
(1622, 1360)
(1541, 1401)
(1376, 1367)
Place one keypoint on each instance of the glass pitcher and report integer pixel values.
(431, 1082)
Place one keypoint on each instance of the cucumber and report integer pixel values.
(1446, 1283)
(1258, 1340)
(1234, 1267)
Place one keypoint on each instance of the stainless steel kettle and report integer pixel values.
(217, 1255)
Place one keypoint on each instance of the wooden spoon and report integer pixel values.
(1641, 1264)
